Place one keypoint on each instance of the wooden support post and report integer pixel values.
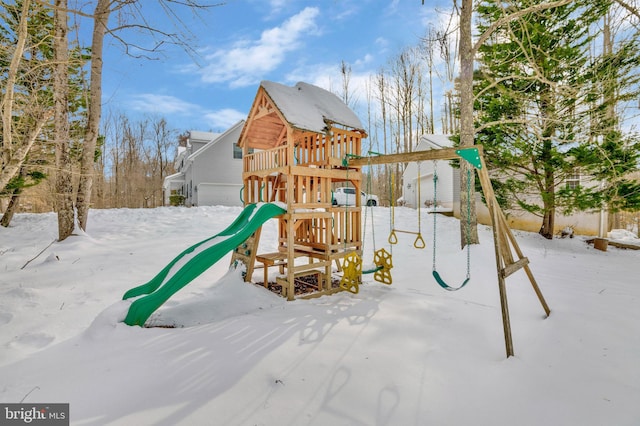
(488, 192)
(290, 226)
(506, 323)
(527, 270)
(499, 241)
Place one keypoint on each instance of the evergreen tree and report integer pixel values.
(540, 98)
(32, 93)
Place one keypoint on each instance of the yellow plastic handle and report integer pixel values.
(393, 239)
(419, 242)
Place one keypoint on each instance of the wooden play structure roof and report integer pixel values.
(303, 107)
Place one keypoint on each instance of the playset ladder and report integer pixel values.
(246, 253)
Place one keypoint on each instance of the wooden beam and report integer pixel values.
(263, 111)
(513, 267)
(405, 157)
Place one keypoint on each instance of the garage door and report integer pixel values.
(219, 194)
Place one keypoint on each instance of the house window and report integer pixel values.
(573, 179)
(237, 151)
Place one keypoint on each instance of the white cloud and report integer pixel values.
(248, 61)
(277, 4)
(382, 43)
(329, 77)
(224, 118)
(219, 120)
(154, 103)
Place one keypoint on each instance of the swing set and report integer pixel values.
(285, 159)
(419, 241)
(509, 257)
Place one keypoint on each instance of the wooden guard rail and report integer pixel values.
(266, 160)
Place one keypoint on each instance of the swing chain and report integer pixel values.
(436, 275)
(435, 205)
(393, 239)
(419, 200)
(373, 228)
(468, 227)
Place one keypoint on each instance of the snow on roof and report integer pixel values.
(427, 142)
(200, 136)
(173, 179)
(174, 176)
(434, 142)
(309, 107)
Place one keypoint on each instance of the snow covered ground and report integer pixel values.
(406, 354)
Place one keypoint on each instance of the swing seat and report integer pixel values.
(372, 270)
(446, 286)
(351, 278)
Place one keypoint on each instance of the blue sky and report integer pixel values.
(245, 41)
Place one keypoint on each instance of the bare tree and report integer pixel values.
(136, 157)
(64, 186)
(468, 218)
(345, 74)
(164, 143)
(94, 111)
(139, 22)
(382, 90)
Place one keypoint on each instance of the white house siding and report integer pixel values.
(224, 194)
(424, 193)
(448, 195)
(171, 183)
(413, 195)
(217, 165)
(187, 187)
(212, 174)
(584, 223)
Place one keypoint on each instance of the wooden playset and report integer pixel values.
(294, 143)
(301, 142)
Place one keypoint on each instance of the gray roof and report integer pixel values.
(308, 107)
(233, 132)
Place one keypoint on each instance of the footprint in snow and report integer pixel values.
(32, 340)
(5, 318)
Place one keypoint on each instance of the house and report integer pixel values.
(417, 179)
(580, 222)
(448, 195)
(209, 169)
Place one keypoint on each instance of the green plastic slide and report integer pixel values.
(194, 261)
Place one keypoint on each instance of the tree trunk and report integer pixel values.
(468, 220)
(11, 208)
(12, 158)
(549, 194)
(548, 223)
(13, 203)
(83, 200)
(64, 187)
